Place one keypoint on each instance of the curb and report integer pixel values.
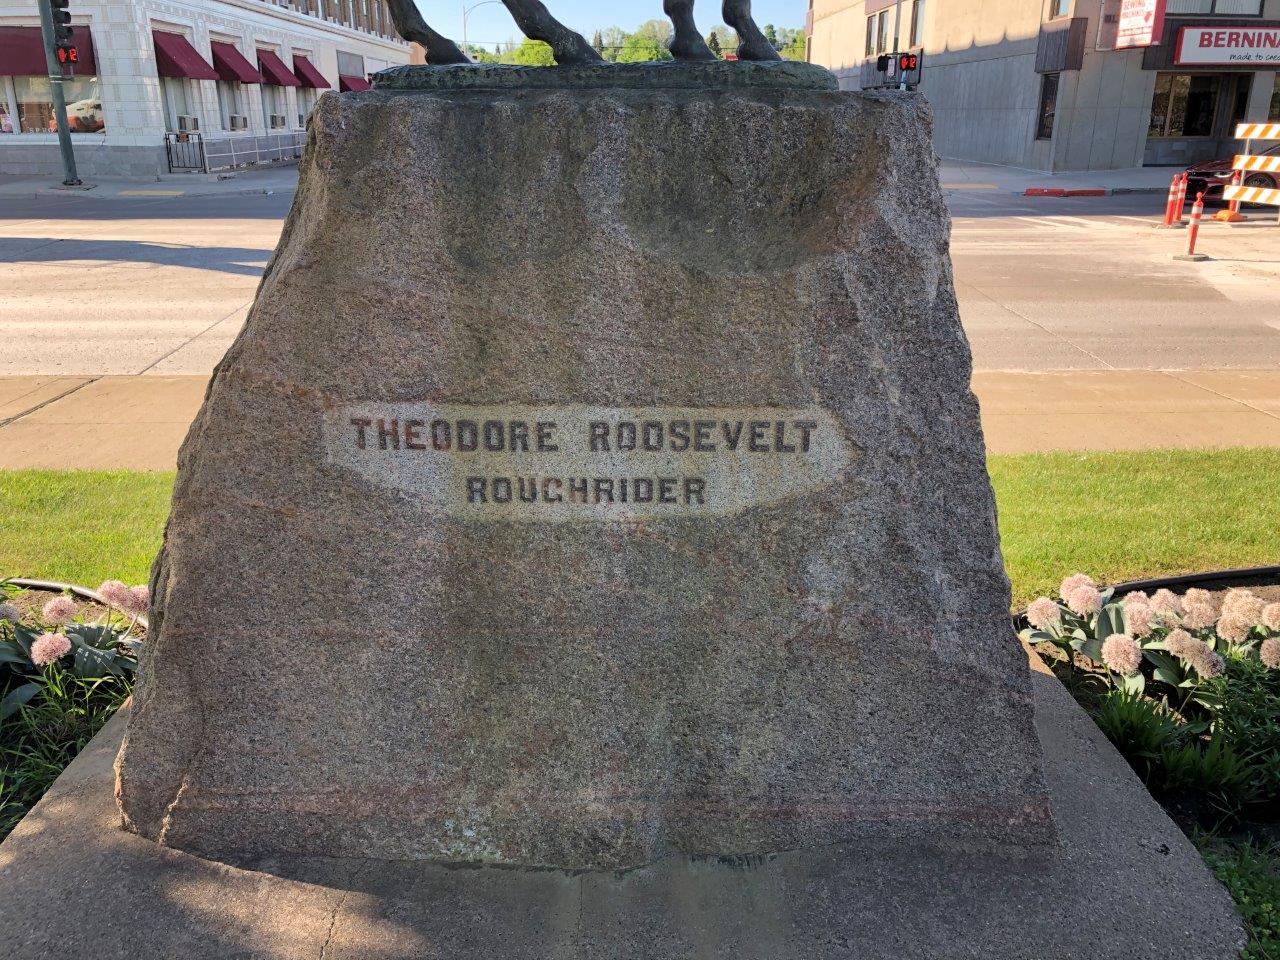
(1091, 191)
(184, 195)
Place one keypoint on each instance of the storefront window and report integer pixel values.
(7, 122)
(1048, 106)
(917, 22)
(272, 110)
(231, 105)
(1274, 112)
(871, 35)
(882, 31)
(1223, 8)
(35, 105)
(180, 105)
(306, 102)
(1184, 105)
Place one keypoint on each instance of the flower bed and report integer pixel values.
(65, 668)
(1188, 689)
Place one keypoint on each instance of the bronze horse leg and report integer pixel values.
(751, 42)
(687, 43)
(410, 25)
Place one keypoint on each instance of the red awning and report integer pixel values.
(175, 57)
(352, 84)
(274, 71)
(308, 74)
(22, 52)
(231, 64)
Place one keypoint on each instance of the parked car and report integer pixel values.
(1212, 176)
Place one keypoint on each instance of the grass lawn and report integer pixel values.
(1116, 516)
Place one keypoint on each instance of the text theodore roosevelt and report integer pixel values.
(691, 438)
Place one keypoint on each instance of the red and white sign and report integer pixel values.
(1222, 46)
(1141, 23)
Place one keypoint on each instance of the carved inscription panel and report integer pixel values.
(585, 463)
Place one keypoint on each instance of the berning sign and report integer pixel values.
(1209, 46)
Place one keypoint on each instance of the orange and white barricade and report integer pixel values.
(1238, 192)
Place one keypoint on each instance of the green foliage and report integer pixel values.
(531, 53)
(796, 49)
(649, 42)
(1249, 718)
(1143, 731)
(771, 34)
(1251, 874)
(40, 738)
(1212, 770)
(713, 41)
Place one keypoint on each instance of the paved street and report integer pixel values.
(117, 308)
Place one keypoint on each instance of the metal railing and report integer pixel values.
(185, 152)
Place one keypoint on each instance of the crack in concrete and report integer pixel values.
(40, 406)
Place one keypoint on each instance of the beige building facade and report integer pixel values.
(167, 85)
(1040, 84)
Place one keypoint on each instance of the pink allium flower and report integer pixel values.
(1166, 602)
(1180, 643)
(1044, 613)
(1207, 663)
(1074, 583)
(1270, 652)
(1122, 654)
(59, 610)
(1245, 604)
(1199, 616)
(9, 612)
(1234, 627)
(49, 647)
(1137, 598)
(1196, 595)
(139, 601)
(1271, 616)
(1140, 618)
(115, 594)
(1084, 600)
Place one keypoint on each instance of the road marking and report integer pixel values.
(150, 193)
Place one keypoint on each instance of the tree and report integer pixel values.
(794, 46)
(597, 43)
(727, 39)
(771, 34)
(641, 48)
(713, 41)
(531, 53)
(614, 38)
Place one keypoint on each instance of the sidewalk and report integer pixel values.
(229, 184)
(139, 422)
(969, 175)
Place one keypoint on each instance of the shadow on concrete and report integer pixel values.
(245, 261)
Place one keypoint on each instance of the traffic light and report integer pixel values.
(61, 23)
(908, 62)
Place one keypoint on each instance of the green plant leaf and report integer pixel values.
(1133, 685)
(1167, 676)
(16, 698)
(91, 662)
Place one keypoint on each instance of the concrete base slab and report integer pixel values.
(1126, 884)
(1192, 257)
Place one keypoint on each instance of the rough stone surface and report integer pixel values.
(1094, 901)
(350, 661)
(660, 75)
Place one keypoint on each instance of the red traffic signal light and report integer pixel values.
(68, 55)
(908, 62)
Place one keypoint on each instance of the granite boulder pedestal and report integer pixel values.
(586, 550)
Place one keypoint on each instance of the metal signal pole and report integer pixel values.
(70, 178)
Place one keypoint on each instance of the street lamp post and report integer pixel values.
(466, 11)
